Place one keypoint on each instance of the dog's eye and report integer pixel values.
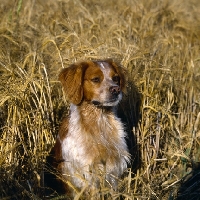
(95, 80)
(116, 79)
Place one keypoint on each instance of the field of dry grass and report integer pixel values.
(157, 41)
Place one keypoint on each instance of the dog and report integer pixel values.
(91, 140)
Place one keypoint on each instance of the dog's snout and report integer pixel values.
(114, 90)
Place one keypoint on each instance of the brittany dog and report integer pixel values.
(91, 140)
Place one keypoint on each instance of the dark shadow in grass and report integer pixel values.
(190, 185)
(130, 114)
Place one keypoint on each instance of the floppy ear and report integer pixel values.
(72, 79)
(121, 72)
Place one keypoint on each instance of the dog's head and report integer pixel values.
(99, 82)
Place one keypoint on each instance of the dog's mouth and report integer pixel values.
(111, 102)
(96, 103)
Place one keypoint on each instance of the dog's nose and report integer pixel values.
(114, 90)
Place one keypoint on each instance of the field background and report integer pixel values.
(158, 41)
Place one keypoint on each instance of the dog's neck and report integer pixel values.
(94, 119)
(89, 109)
(101, 124)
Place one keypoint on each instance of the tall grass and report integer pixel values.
(158, 42)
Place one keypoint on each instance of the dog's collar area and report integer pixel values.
(101, 106)
(96, 103)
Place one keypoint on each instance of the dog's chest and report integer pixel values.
(96, 140)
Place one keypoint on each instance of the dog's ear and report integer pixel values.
(72, 81)
(122, 72)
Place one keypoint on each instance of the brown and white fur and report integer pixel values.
(91, 141)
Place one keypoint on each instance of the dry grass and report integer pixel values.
(157, 41)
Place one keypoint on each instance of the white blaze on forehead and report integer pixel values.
(101, 64)
(105, 69)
